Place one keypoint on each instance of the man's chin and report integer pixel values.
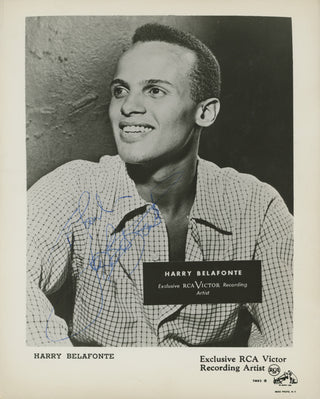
(138, 160)
(131, 158)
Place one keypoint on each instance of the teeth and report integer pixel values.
(136, 129)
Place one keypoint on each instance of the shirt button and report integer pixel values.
(155, 256)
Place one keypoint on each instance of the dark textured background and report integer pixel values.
(70, 62)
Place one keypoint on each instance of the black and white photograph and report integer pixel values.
(159, 199)
(159, 143)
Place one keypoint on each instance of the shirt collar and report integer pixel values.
(209, 206)
(126, 198)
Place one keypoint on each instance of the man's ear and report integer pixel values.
(207, 112)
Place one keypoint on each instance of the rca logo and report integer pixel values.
(273, 370)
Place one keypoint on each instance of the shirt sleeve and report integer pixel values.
(273, 317)
(48, 256)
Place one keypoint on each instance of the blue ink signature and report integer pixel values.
(116, 246)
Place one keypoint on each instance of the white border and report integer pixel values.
(154, 372)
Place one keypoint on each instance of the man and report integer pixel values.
(95, 224)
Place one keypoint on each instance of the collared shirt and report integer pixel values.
(88, 225)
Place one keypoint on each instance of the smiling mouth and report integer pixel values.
(135, 128)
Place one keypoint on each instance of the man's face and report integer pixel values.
(151, 110)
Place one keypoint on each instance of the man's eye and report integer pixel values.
(119, 92)
(156, 92)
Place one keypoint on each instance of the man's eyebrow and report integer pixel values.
(119, 82)
(157, 81)
(145, 82)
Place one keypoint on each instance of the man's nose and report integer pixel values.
(133, 104)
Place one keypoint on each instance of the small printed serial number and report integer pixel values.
(285, 391)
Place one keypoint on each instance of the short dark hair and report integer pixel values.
(205, 75)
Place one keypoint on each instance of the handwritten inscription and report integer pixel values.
(116, 245)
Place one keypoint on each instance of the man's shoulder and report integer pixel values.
(229, 179)
(72, 184)
(83, 167)
(77, 171)
(236, 192)
(107, 166)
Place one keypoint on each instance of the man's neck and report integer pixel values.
(171, 186)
